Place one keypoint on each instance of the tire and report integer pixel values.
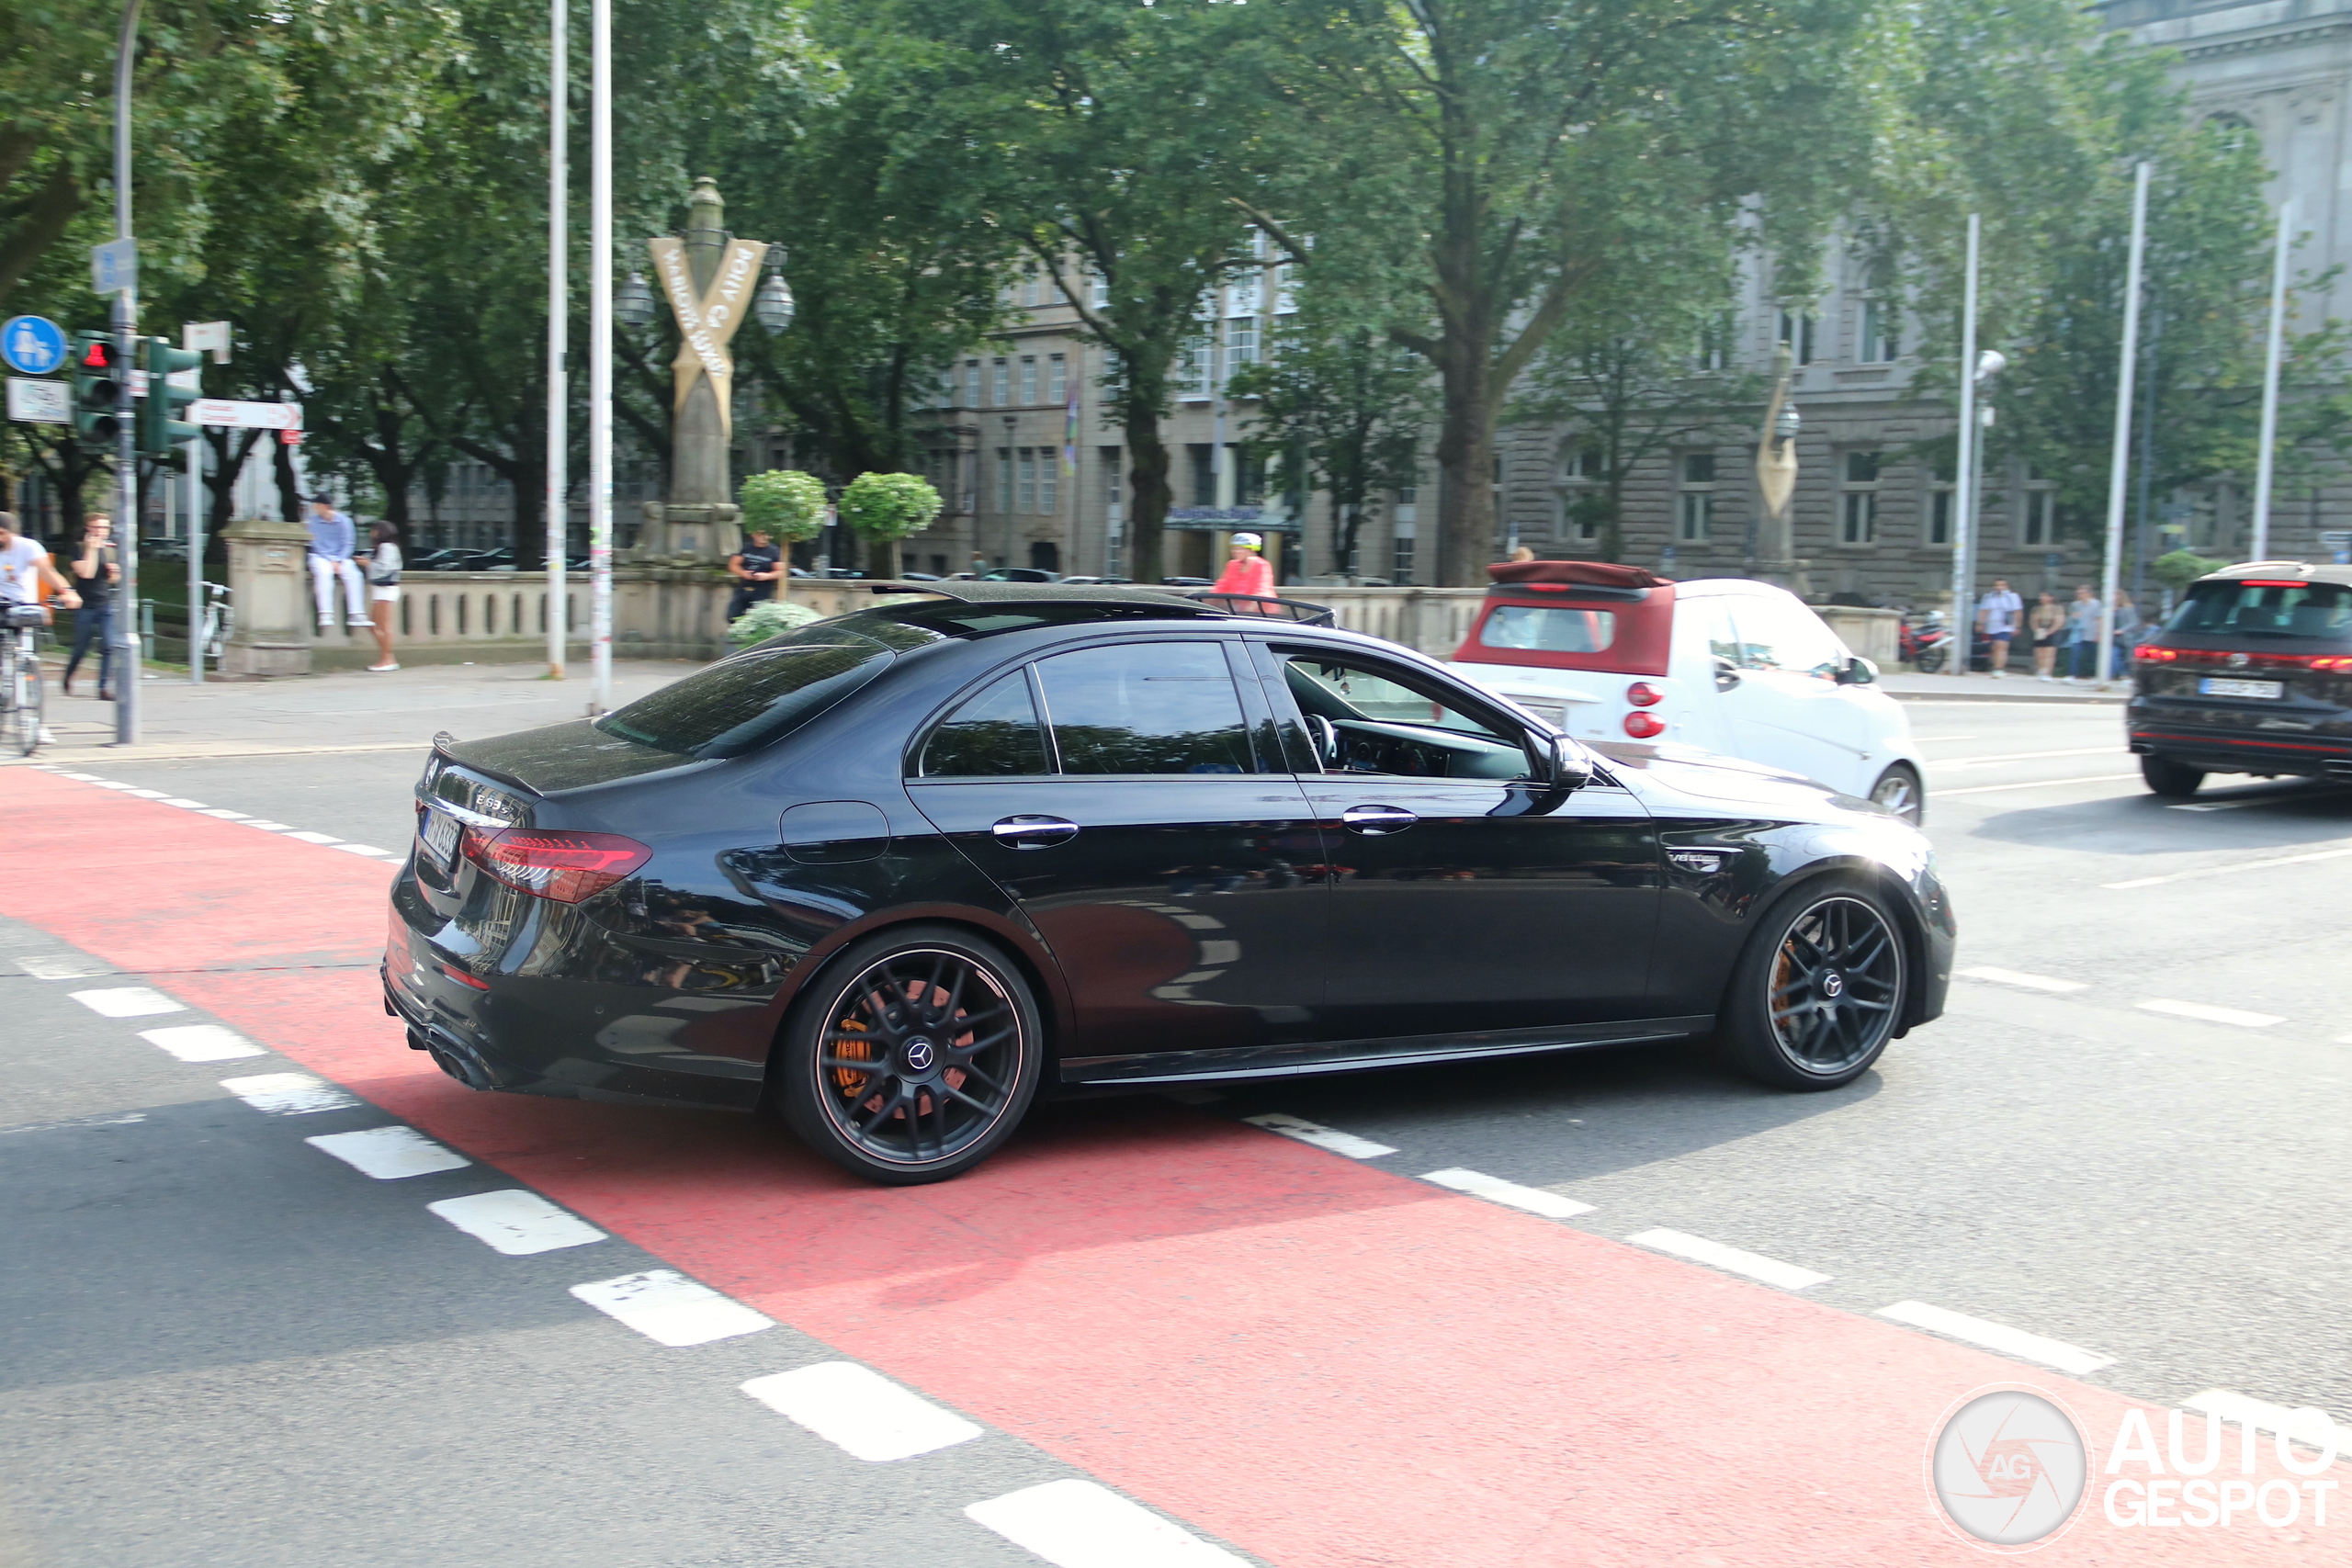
(875, 1060)
(1818, 990)
(1899, 790)
(2174, 781)
(1929, 660)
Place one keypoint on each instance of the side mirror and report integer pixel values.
(1567, 766)
(1857, 671)
(1726, 674)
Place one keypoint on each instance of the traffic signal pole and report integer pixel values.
(129, 654)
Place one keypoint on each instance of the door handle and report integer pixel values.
(1373, 820)
(1033, 832)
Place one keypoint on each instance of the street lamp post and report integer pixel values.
(130, 654)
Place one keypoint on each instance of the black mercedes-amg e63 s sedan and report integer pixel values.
(889, 874)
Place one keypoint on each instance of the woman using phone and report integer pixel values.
(98, 571)
(383, 592)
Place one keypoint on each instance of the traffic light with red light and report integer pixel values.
(98, 380)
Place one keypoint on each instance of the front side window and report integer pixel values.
(1775, 635)
(1165, 708)
(994, 735)
(1387, 724)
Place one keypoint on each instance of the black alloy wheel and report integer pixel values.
(1818, 993)
(2174, 781)
(914, 1056)
(1899, 791)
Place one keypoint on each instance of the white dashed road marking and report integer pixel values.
(1730, 1259)
(2030, 982)
(2071, 1360)
(2034, 783)
(516, 1223)
(369, 849)
(60, 965)
(1493, 1188)
(2206, 1014)
(184, 804)
(2227, 870)
(388, 1154)
(1322, 1137)
(1076, 1524)
(670, 1309)
(127, 1001)
(269, 827)
(861, 1411)
(201, 1042)
(225, 815)
(289, 1094)
(308, 836)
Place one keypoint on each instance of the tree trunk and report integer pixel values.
(1146, 473)
(1465, 496)
(290, 494)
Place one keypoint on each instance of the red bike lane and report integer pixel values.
(1327, 1363)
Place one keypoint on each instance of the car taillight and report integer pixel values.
(1640, 723)
(2332, 661)
(1640, 693)
(2151, 655)
(566, 867)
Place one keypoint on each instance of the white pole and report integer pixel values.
(2119, 467)
(191, 453)
(600, 356)
(2267, 459)
(1963, 498)
(130, 653)
(559, 474)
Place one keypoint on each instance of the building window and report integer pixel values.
(1098, 293)
(1249, 475)
(1797, 332)
(1400, 554)
(1049, 469)
(1028, 378)
(2035, 528)
(1057, 379)
(1240, 344)
(1004, 382)
(1193, 366)
(1004, 479)
(1204, 457)
(1033, 287)
(971, 383)
(1940, 516)
(1695, 505)
(1858, 501)
(1882, 333)
(1028, 479)
(1716, 342)
(1114, 496)
(1583, 468)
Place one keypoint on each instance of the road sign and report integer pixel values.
(32, 345)
(246, 416)
(289, 438)
(40, 403)
(114, 267)
(2336, 540)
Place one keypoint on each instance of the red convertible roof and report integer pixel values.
(1592, 573)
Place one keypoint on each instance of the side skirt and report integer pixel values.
(1345, 1056)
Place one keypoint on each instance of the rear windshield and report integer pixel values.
(1547, 628)
(2255, 608)
(755, 697)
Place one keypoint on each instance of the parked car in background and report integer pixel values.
(2251, 675)
(1613, 653)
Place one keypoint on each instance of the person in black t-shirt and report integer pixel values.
(756, 568)
(97, 575)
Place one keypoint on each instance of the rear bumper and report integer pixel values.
(2221, 753)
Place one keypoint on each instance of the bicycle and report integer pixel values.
(21, 687)
(219, 620)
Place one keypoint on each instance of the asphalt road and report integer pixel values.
(217, 1345)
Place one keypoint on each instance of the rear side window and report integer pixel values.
(2248, 608)
(995, 735)
(1165, 708)
(757, 696)
(1547, 628)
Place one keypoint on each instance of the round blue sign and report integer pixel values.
(32, 345)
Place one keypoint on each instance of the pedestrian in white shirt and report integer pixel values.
(1997, 617)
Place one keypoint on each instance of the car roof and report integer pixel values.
(2309, 572)
(972, 590)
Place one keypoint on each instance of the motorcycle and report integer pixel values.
(1924, 644)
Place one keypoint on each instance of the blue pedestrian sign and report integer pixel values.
(32, 345)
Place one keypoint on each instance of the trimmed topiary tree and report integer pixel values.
(884, 508)
(788, 506)
(2178, 568)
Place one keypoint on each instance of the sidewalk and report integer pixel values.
(336, 711)
(1946, 687)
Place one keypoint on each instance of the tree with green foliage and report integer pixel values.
(1510, 148)
(786, 505)
(882, 508)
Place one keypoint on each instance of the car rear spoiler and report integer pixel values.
(1297, 609)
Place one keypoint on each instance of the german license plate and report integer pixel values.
(440, 836)
(2219, 686)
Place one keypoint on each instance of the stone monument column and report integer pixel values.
(710, 280)
(1776, 481)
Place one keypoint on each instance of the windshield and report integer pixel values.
(2252, 607)
(756, 696)
(1548, 629)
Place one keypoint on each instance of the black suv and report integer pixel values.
(2253, 674)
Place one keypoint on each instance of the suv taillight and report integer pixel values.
(2148, 653)
(566, 867)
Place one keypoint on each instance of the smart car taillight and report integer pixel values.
(1642, 695)
(566, 867)
(1643, 725)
